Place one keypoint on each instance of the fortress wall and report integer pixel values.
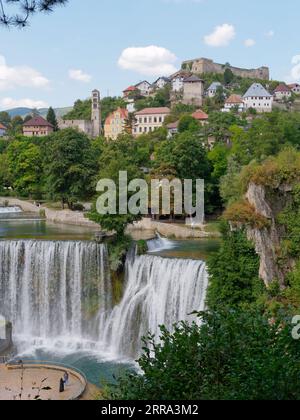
(203, 65)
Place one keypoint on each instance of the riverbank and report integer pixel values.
(144, 229)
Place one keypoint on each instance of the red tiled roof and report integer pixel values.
(173, 125)
(37, 121)
(234, 99)
(282, 88)
(130, 89)
(146, 111)
(2, 127)
(123, 114)
(200, 115)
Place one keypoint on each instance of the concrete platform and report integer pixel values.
(36, 377)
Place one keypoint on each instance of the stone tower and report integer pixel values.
(193, 91)
(96, 114)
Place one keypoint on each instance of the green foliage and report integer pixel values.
(236, 354)
(24, 160)
(160, 99)
(187, 123)
(233, 271)
(228, 76)
(51, 118)
(142, 247)
(82, 110)
(71, 167)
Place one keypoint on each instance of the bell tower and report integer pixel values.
(96, 113)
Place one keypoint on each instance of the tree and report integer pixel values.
(24, 10)
(188, 123)
(228, 76)
(51, 118)
(233, 271)
(234, 354)
(24, 161)
(5, 118)
(71, 167)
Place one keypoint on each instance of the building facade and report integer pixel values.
(212, 90)
(144, 88)
(92, 127)
(177, 80)
(3, 130)
(295, 88)
(282, 92)
(193, 91)
(234, 102)
(115, 123)
(149, 119)
(37, 127)
(258, 98)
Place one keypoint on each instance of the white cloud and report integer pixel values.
(150, 61)
(221, 36)
(249, 43)
(270, 33)
(295, 71)
(20, 76)
(8, 103)
(80, 76)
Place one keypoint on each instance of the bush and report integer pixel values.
(233, 355)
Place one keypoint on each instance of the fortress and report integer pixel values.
(205, 65)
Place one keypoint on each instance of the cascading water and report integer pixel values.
(159, 291)
(9, 210)
(59, 295)
(52, 292)
(159, 244)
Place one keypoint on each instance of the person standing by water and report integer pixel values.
(61, 385)
(66, 379)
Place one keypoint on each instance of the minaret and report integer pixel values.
(96, 113)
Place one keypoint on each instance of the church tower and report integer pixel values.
(96, 113)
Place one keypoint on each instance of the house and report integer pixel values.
(37, 127)
(295, 88)
(92, 127)
(234, 102)
(258, 98)
(193, 91)
(212, 90)
(3, 130)
(282, 92)
(177, 80)
(200, 116)
(130, 91)
(160, 83)
(172, 129)
(144, 88)
(115, 123)
(149, 119)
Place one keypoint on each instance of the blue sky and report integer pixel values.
(106, 45)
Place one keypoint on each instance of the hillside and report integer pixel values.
(23, 112)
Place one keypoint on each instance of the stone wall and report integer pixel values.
(193, 93)
(204, 65)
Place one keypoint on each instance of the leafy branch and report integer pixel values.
(26, 9)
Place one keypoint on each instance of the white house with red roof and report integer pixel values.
(3, 130)
(149, 119)
(295, 88)
(234, 102)
(282, 92)
(200, 116)
(258, 98)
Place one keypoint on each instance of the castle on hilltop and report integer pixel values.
(205, 65)
(92, 127)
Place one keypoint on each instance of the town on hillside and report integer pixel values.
(199, 87)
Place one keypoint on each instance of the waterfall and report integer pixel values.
(9, 210)
(52, 292)
(59, 296)
(159, 291)
(159, 244)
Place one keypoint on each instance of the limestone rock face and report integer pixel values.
(267, 240)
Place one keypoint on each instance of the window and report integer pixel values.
(145, 120)
(160, 119)
(140, 120)
(155, 119)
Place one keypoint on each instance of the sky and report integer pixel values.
(112, 44)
